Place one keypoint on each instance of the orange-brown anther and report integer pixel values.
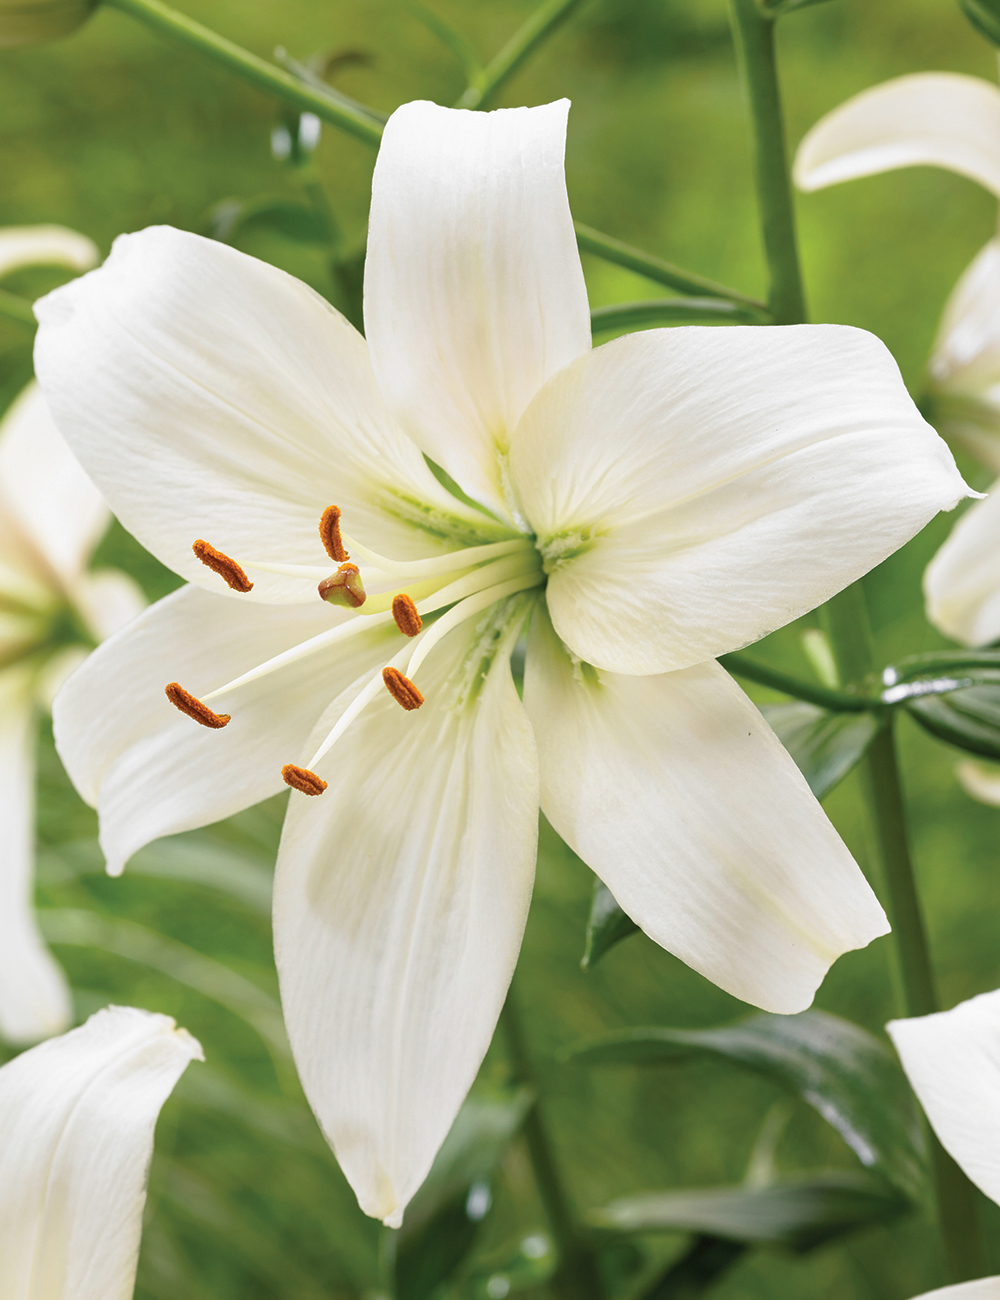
(344, 587)
(226, 568)
(300, 778)
(329, 531)
(193, 707)
(405, 613)
(401, 689)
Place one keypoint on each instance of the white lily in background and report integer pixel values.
(77, 1116)
(952, 1060)
(51, 517)
(648, 505)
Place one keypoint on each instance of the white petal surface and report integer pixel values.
(151, 770)
(77, 1116)
(474, 293)
(980, 780)
(34, 996)
(952, 1060)
(675, 791)
(936, 119)
(400, 900)
(982, 1288)
(962, 582)
(212, 396)
(22, 246)
(108, 599)
(44, 488)
(696, 488)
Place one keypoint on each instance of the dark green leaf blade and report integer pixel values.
(824, 745)
(606, 925)
(670, 311)
(968, 718)
(984, 16)
(799, 1212)
(852, 1080)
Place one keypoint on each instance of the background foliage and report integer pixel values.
(114, 129)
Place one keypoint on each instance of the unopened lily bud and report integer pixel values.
(28, 22)
(344, 587)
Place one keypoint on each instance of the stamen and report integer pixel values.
(464, 610)
(463, 558)
(193, 707)
(300, 778)
(344, 587)
(401, 689)
(405, 613)
(329, 531)
(221, 564)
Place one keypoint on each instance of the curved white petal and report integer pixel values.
(962, 582)
(77, 1116)
(981, 1288)
(34, 995)
(107, 600)
(695, 488)
(399, 904)
(22, 246)
(43, 486)
(677, 793)
(212, 396)
(151, 770)
(980, 780)
(474, 293)
(952, 1059)
(936, 119)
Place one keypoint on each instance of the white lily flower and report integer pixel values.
(649, 504)
(77, 1116)
(952, 1060)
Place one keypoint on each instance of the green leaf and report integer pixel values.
(968, 718)
(443, 1219)
(852, 1080)
(289, 217)
(799, 1213)
(670, 311)
(984, 16)
(698, 1269)
(825, 745)
(606, 925)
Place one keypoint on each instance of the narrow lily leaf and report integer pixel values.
(968, 718)
(984, 16)
(606, 925)
(839, 1069)
(799, 1213)
(670, 311)
(442, 1220)
(825, 745)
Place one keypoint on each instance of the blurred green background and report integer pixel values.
(113, 129)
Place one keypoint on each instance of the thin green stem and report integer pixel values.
(670, 311)
(577, 1276)
(354, 119)
(655, 268)
(14, 307)
(753, 31)
(763, 675)
(542, 23)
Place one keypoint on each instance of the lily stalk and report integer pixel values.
(845, 620)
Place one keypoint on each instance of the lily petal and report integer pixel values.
(77, 1116)
(22, 246)
(34, 995)
(981, 1288)
(962, 582)
(675, 791)
(150, 770)
(44, 487)
(935, 119)
(399, 904)
(980, 780)
(107, 600)
(212, 396)
(693, 489)
(952, 1060)
(474, 293)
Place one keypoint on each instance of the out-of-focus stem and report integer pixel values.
(542, 23)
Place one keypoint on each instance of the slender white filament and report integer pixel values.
(364, 697)
(467, 609)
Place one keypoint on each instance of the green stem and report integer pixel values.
(542, 23)
(763, 675)
(670, 311)
(655, 268)
(754, 35)
(355, 120)
(577, 1276)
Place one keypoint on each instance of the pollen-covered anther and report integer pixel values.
(300, 778)
(193, 707)
(405, 613)
(329, 531)
(226, 568)
(344, 587)
(401, 689)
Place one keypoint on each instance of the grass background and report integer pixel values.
(113, 129)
